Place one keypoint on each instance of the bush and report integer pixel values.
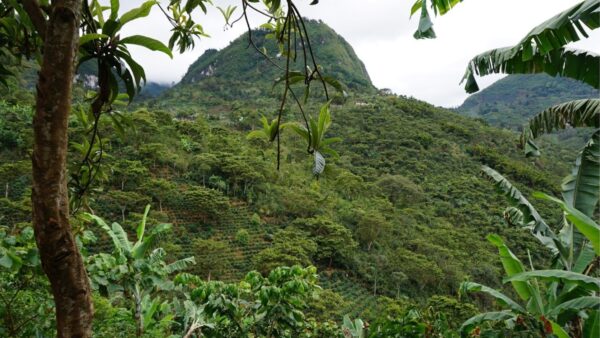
(255, 220)
(242, 237)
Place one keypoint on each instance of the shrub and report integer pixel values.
(242, 237)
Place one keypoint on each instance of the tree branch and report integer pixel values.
(33, 9)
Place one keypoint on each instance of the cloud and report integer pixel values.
(381, 33)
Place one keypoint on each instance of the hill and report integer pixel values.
(399, 218)
(512, 100)
(239, 72)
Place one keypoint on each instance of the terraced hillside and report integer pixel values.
(404, 198)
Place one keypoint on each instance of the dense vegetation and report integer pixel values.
(511, 101)
(187, 226)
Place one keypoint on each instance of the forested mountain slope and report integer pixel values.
(511, 101)
(403, 212)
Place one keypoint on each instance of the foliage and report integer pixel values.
(136, 271)
(541, 50)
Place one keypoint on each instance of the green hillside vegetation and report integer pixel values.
(385, 220)
(511, 101)
(239, 72)
(188, 228)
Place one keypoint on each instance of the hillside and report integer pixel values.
(512, 100)
(399, 218)
(239, 72)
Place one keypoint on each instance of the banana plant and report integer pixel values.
(314, 136)
(134, 268)
(581, 188)
(353, 329)
(550, 301)
(543, 50)
(570, 252)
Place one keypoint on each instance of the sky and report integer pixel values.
(380, 32)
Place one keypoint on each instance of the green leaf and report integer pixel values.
(558, 330)
(512, 266)
(557, 275)
(581, 188)
(441, 7)
(587, 226)
(542, 50)
(468, 325)
(531, 218)
(142, 226)
(90, 37)
(114, 9)
(577, 304)
(502, 298)
(591, 328)
(147, 42)
(121, 236)
(577, 113)
(425, 29)
(564, 28)
(181, 264)
(579, 65)
(137, 13)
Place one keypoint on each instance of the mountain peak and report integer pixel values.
(244, 69)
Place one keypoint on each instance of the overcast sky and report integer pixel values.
(381, 33)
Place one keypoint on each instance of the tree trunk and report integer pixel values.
(60, 257)
(139, 319)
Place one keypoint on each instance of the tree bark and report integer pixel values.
(59, 254)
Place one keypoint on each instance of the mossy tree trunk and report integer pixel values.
(61, 259)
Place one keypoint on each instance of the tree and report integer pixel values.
(334, 241)
(160, 189)
(212, 257)
(371, 227)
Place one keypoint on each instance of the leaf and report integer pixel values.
(557, 275)
(502, 298)
(319, 165)
(576, 64)
(577, 113)
(558, 330)
(564, 28)
(441, 7)
(531, 218)
(581, 188)
(142, 226)
(512, 266)
(484, 317)
(255, 134)
(587, 226)
(542, 50)
(114, 9)
(137, 13)
(577, 304)
(591, 328)
(116, 241)
(181, 264)
(147, 42)
(425, 29)
(90, 37)
(121, 236)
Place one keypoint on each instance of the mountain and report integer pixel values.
(238, 71)
(512, 100)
